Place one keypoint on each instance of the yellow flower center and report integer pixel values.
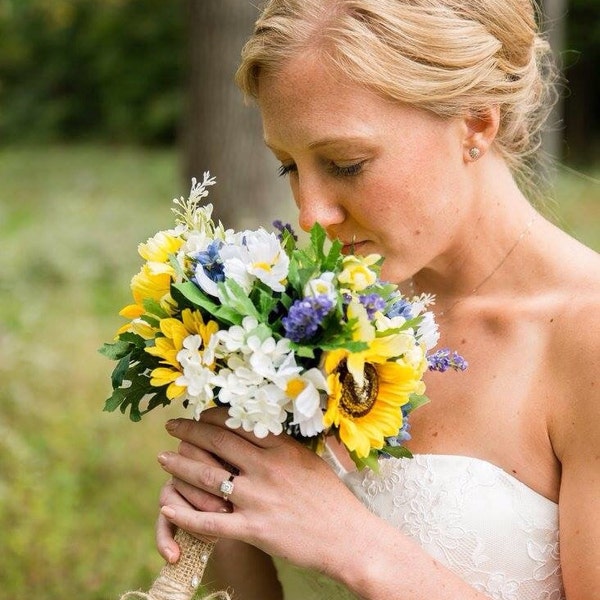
(263, 265)
(356, 401)
(294, 387)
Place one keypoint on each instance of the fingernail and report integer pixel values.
(171, 425)
(170, 555)
(168, 511)
(162, 458)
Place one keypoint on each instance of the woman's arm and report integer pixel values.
(289, 503)
(575, 434)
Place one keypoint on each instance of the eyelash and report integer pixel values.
(334, 169)
(285, 170)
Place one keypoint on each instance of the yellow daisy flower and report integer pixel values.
(159, 247)
(148, 283)
(166, 348)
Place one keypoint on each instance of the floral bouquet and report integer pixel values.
(306, 341)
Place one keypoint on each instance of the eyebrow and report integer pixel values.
(327, 142)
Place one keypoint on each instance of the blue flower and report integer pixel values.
(210, 262)
(445, 359)
(305, 316)
(401, 308)
(373, 303)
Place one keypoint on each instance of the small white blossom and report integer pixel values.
(234, 338)
(197, 378)
(427, 331)
(268, 356)
(420, 303)
(262, 413)
(308, 391)
(322, 286)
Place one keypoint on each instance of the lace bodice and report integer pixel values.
(488, 527)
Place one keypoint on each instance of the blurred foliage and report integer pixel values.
(580, 61)
(114, 70)
(74, 69)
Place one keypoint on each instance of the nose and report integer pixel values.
(317, 203)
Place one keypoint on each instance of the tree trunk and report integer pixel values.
(220, 133)
(554, 24)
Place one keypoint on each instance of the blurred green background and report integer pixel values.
(93, 126)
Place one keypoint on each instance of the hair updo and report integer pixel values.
(450, 57)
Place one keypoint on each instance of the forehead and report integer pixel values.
(304, 100)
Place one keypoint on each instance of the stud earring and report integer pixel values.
(474, 153)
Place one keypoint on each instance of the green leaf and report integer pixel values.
(235, 298)
(333, 257)
(115, 400)
(304, 352)
(120, 371)
(154, 308)
(265, 303)
(369, 461)
(115, 350)
(152, 321)
(317, 239)
(415, 401)
(288, 243)
(133, 338)
(343, 343)
(294, 275)
(195, 296)
(397, 451)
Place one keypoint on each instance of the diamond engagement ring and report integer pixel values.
(226, 487)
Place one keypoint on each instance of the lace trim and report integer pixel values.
(485, 525)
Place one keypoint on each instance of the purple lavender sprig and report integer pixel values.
(305, 316)
(283, 227)
(373, 303)
(445, 359)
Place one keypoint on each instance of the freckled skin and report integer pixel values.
(394, 180)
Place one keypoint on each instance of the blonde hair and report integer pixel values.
(450, 57)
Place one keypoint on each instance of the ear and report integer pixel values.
(480, 132)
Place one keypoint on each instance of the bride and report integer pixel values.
(404, 127)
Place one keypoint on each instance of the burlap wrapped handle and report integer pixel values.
(180, 581)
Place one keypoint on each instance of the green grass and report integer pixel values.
(79, 487)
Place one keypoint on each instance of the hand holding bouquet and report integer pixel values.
(305, 341)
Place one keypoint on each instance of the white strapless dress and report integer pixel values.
(497, 534)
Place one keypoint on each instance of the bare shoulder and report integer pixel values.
(574, 422)
(575, 357)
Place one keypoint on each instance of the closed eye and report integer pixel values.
(286, 169)
(346, 171)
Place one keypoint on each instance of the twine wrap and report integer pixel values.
(180, 581)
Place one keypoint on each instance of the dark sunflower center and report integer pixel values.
(357, 401)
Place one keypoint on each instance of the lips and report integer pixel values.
(352, 247)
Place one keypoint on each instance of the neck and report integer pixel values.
(485, 258)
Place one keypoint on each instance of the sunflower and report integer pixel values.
(369, 388)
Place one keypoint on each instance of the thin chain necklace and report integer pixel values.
(474, 291)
